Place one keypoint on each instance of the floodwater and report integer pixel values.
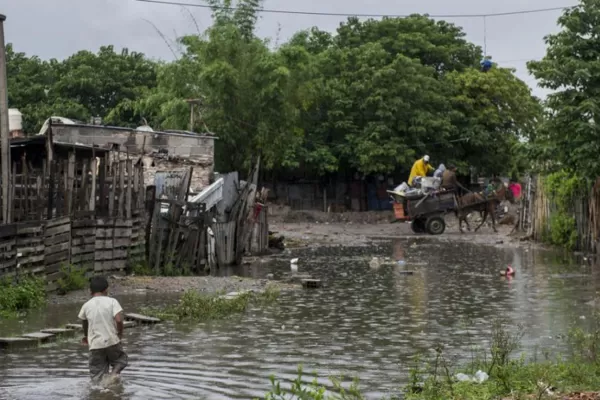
(367, 322)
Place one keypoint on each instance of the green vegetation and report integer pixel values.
(509, 377)
(569, 134)
(369, 98)
(194, 306)
(300, 389)
(22, 295)
(564, 188)
(74, 278)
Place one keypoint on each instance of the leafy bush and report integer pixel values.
(564, 187)
(73, 279)
(20, 296)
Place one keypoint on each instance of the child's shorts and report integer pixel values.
(102, 359)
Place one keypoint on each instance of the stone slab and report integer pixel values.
(129, 324)
(76, 327)
(141, 318)
(59, 331)
(39, 336)
(17, 342)
(311, 283)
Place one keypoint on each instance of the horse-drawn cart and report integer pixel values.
(426, 211)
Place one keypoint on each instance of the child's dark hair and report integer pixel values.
(98, 284)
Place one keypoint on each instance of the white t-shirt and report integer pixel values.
(100, 312)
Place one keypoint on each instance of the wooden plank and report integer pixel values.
(83, 258)
(8, 230)
(109, 233)
(122, 223)
(114, 254)
(83, 249)
(141, 318)
(56, 230)
(56, 248)
(112, 243)
(55, 276)
(58, 221)
(83, 223)
(83, 240)
(62, 257)
(58, 239)
(31, 259)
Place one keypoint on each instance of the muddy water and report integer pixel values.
(369, 321)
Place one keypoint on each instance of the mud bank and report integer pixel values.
(354, 232)
(146, 284)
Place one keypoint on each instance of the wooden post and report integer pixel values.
(51, 191)
(121, 188)
(25, 178)
(83, 197)
(111, 195)
(102, 187)
(129, 166)
(94, 168)
(4, 131)
(12, 207)
(70, 179)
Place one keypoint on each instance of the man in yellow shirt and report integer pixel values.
(421, 168)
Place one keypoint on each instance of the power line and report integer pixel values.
(297, 12)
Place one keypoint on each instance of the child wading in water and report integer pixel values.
(102, 318)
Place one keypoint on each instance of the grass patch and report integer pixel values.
(300, 389)
(74, 278)
(18, 297)
(510, 378)
(194, 306)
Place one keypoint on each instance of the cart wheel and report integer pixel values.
(418, 225)
(436, 225)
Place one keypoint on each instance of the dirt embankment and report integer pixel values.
(309, 228)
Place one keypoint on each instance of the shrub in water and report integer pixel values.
(194, 306)
(27, 293)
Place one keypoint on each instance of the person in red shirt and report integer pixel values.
(515, 187)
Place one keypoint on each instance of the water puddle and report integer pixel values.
(367, 322)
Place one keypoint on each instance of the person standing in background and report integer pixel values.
(515, 187)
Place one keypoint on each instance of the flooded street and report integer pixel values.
(368, 321)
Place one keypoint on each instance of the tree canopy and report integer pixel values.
(370, 98)
(570, 133)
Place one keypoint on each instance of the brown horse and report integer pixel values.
(485, 205)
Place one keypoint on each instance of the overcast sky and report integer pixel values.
(58, 28)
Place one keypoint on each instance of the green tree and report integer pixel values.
(99, 82)
(492, 114)
(570, 134)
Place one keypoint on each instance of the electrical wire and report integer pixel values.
(333, 14)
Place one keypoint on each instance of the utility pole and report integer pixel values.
(193, 102)
(4, 133)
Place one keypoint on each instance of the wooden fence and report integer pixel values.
(584, 208)
(96, 244)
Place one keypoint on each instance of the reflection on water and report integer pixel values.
(366, 322)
